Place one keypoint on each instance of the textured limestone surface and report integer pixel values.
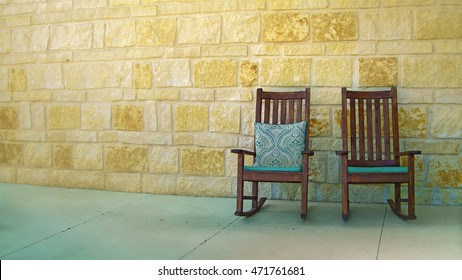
(151, 95)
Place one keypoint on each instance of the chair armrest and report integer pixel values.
(307, 152)
(408, 153)
(341, 153)
(242, 151)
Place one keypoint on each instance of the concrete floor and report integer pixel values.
(74, 224)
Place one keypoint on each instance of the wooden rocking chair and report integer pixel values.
(371, 153)
(280, 117)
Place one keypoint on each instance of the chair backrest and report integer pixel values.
(284, 108)
(370, 127)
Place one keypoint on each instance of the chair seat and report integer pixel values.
(382, 169)
(273, 169)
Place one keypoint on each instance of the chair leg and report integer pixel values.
(256, 203)
(395, 205)
(304, 199)
(345, 201)
(239, 197)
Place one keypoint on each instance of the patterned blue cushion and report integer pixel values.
(279, 145)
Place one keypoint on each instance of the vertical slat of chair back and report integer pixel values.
(367, 125)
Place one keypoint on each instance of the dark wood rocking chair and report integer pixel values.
(371, 153)
(276, 108)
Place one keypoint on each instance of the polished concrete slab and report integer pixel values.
(77, 224)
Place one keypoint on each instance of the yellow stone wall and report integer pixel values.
(151, 95)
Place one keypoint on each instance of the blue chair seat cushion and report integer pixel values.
(273, 168)
(279, 145)
(384, 169)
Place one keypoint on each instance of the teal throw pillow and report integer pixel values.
(279, 145)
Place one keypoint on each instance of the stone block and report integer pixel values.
(333, 72)
(128, 117)
(179, 8)
(296, 4)
(265, 50)
(181, 139)
(4, 80)
(192, 118)
(88, 157)
(438, 23)
(342, 4)
(63, 117)
(199, 30)
(385, 25)
(123, 182)
(448, 47)
(234, 95)
(7, 174)
(241, 28)
(31, 39)
(63, 156)
(198, 95)
(151, 115)
(448, 96)
(198, 161)
(218, 6)
(246, 5)
(77, 179)
(183, 52)
(405, 3)
(9, 117)
(108, 136)
(37, 155)
(303, 50)
(445, 122)
(164, 160)
(120, 33)
(351, 48)
(143, 11)
(96, 117)
(413, 122)
(126, 159)
(405, 47)
(248, 75)
(444, 171)
(158, 184)
(98, 75)
(156, 32)
(204, 186)
(5, 45)
(33, 176)
(327, 96)
(158, 94)
(341, 26)
(378, 71)
(285, 72)
(45, 77)
(247, 120)
(428, 147)
(71, 37)
(223, 51)
(216, 140)
(17, 79)
(286, 27)
(320, 122)
(215, 73)
(142, 75)
(172, 73)
(165, 118)
(225, 118)
(11, 154)
(432, 72)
